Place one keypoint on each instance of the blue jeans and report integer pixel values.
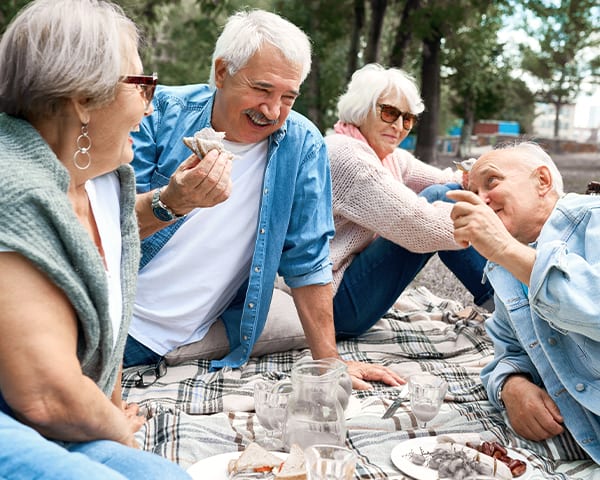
(25, 455)
(137, 353)
(380, 273)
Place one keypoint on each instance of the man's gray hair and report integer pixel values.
(244, 34)
(368, 84)
(536, 156)
(55, 50)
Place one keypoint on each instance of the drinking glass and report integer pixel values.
(426, 393)
(329, 462)
(270, 404)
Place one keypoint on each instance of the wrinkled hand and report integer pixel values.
(531, 411)
(475, 223)
(199, 183)
(134, 419)
(361, 373)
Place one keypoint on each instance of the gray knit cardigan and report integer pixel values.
(37, 220)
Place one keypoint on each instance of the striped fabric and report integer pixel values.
(194, 414)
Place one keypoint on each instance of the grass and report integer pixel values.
(577, 170)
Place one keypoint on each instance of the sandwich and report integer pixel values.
(255, 459)
(294, 467)
(206, 140)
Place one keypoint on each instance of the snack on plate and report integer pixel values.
(455, 460)
(206, 140)
(294, 467)
(256, 459)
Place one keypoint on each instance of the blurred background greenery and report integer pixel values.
(473, 59)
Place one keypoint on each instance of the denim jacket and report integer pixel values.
(551, 331)
(295, 220)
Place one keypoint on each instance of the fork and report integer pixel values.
(394, 406)
(251, 476)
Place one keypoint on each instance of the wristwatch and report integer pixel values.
(160, 210)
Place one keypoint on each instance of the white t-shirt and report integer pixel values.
(107, 214)
(194, 277)
(104, 193)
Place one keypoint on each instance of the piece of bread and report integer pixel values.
(294, 467)
(206, 140)
(254, 459)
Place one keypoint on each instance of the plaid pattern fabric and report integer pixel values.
(194, 414)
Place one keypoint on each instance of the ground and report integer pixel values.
(577, 170)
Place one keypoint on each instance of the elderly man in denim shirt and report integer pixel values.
(543, 249)
(216, 234)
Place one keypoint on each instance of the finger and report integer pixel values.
(464, 196)
(359, 384)
(553, 410)
(385, 376)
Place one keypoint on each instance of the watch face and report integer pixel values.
(162, 214)
(159, 210)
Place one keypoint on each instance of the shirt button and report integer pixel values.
(266, 191)
(250, 305)
(262, 230)
(552, 341)
(245, 337)
(257, 269)
(580, 387)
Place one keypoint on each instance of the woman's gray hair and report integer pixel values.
(244, 34)
(55, 50)
(368, 84)
(536, 156)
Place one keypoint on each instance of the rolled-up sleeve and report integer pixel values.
(305, 257)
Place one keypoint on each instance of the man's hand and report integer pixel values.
(475, 223)
(361, 373)
(531, 411)
(199, 183)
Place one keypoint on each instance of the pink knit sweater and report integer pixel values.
(369, 201)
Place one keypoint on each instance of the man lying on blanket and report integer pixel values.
(269, 211)
(544, 264)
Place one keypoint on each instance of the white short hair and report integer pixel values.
(368, 84)
(59, 49)
(535, 156)
(245, 33)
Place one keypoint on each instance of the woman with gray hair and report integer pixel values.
(71, 92)
(388, 221)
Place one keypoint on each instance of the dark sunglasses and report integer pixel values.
(148, 376)
(389, 114)
(147, 84)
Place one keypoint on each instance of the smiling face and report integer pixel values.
(255, 102)
(385, 137)
(519, 193)
(111, 125)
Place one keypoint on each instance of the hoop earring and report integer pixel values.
(84, 143)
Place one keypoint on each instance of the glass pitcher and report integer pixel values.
(315, 414)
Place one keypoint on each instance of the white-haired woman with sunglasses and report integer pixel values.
(71, 92)
(387, 222)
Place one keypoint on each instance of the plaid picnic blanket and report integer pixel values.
(194, 413)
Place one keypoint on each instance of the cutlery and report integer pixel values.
(394, 406)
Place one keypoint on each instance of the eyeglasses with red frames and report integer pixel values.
(147, 84)
(389, 114)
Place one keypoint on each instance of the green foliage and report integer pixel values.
(563, 48)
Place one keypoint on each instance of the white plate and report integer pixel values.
(402, 452)
(215, 467)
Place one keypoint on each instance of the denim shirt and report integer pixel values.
(295, 220)
(551, 331)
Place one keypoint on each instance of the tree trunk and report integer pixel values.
(557, 106)
(464, 143)
(357, 26)
(313, 104)
(430, 91)
(378, 8)
(403, 34)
